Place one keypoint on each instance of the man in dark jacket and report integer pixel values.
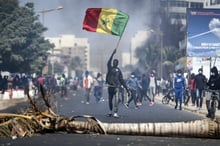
(200, 81)
(114, 79)
(213, 84)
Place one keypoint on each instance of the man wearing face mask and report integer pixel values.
(132, 83)
(200, 82)
(179, 87)
(213, 84)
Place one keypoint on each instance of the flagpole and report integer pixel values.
(118, 43)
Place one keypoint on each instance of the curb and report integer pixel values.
(202, 111)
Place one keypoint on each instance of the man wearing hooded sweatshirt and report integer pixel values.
(179, 87)
(132, 83)
(213, 84)
(114, 79)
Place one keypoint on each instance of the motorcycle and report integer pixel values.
(211, 102)
(169, 96)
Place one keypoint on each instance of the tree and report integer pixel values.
(167, 52)
(76, 63)
(148, 55)
(58, 68)
(22, 46)
(170, 55)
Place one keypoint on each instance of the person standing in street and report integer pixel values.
(114, 79)
(200, 81)
(98, 87)
(192, 88)
(152, 87)
(63, 83)
(213, 84)
(87, 85)
(145, 87)
(179, 87)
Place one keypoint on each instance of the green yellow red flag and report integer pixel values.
(105, 20)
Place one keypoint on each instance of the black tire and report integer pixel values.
(186, 98)
(165, 99)
(212, 108)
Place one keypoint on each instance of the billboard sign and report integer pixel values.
(203, 32)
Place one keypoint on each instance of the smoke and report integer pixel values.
(142, 15)
(69, 20)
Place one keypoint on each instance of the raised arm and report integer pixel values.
(110, 59)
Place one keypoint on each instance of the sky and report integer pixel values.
(69, 20)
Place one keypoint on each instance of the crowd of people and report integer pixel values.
(135, 87)
(12, 82)
(148, 86)
(29, 83)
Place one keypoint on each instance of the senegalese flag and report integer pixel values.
(105, 20)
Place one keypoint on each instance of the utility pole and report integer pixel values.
(43, 12)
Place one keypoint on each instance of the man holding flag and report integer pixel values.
(115, 80)
(109, 21)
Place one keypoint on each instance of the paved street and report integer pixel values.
(145, 113)
(4, 104)
(72, 106)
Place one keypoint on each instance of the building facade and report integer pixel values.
(66, 47)
(176, 10)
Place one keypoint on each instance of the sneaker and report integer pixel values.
(109, 115)
(151, 103)
(126, 105)
(176, 107)
(116, 115)
(139, 103)
(87, 102)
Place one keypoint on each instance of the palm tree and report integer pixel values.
(169, 56)
(149, 57)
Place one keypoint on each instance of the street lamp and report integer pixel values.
(158, 32)
(43, 12)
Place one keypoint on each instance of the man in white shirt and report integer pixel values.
(87, 84)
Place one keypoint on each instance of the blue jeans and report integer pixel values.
(98, 93)
(199, 97)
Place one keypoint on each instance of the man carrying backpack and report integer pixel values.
(114, 79)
